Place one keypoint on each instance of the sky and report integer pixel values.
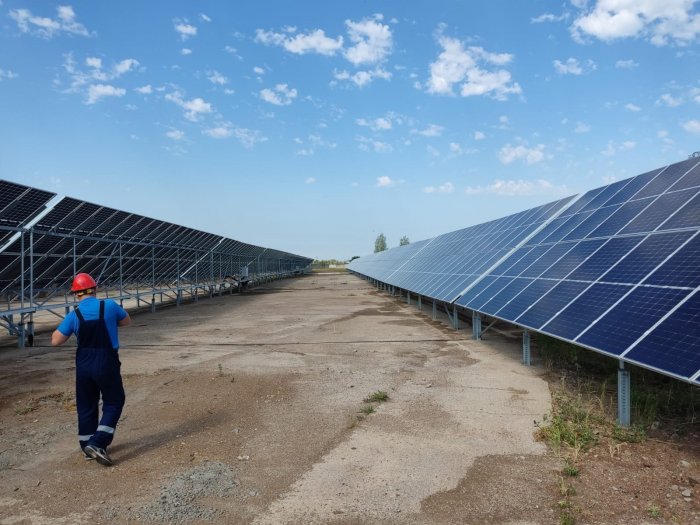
(314, 126)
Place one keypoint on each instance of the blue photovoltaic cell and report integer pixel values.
(572, 223)
(528, 296)
(487, 293)
(601, 261)
(479, 287)
(645, 257)
(686, 217)
(573, 258)
(499, 300)
(584, 310)
(674, 345)
(689, 180)
(591, 223)
(658, 211)
(525, 261)
(629, 319)
(553, 254)
(581, 203)
(604, 196)
(666, 178)
(504, 267)
(682, 269)
(550, 304)
(636, 184)
(620, 218)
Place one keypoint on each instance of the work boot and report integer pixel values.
(98, 454)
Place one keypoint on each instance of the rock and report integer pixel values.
(684, 464)
(692, 481)
(687, 493)
(674, 487)
(243, 458)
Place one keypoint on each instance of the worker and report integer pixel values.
(94, 323)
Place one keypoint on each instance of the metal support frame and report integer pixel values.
(623, 396)
(420, 304)
(476, 326)
(455, 318)
(434, 310)
(526, 348)
(408, 298)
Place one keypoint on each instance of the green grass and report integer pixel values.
(378, 397)
(367, 410)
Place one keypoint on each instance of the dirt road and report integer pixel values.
(250, 409)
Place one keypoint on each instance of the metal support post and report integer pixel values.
(476, 326)
(623, 396)
(455, 319)
(434, 310)
(408, 297)
(420, 304)
(526, 348)
(153, 303)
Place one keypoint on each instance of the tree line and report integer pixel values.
(380, 242)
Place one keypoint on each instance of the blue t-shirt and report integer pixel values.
(90, 308)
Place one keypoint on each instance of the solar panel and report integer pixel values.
(616, 271)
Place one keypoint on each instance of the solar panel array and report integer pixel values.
(115, 246)
(617, 271)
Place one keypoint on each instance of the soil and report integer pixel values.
(251, 409)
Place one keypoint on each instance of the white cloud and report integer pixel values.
(314, 42)
(668, 100)
(373, 41)
(626, 64)
(582, 127)
(479, 135)
(184, 29)
(48, 27)
(258, 70)
(7, 74)
(613, 148)
(217, 78)
(249, 137)
(548, 17)
(573, 67)
(509, 154)
(378, 124)
(175, 134)
(632, 107)
(125, 66)
(465, 67)
(433, 130)
(93, 62)
(305, 152)
(692, 126)
(97, 91)
(367, 144)
(517, 188)
(185, 51)
(362, 78)
(443, 188)
(194, 109)
(222, 130)
(455, 149)
(280, 96)
(660, 21)
(433, 151)
(310, 180)
(144, 90)
(385, 182)
(204, 17)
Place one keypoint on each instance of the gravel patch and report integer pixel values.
(177, 502)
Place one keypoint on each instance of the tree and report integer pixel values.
(353, 258)
(380, 243)
(404, 241)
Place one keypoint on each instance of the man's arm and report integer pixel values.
(125, 322)
(57, 338)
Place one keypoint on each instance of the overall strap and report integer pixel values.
(102, 310)
(80, 316)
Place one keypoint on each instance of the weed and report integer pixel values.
(634, 434)
(221, 370)
(378, 397)
(654, 511)
(367, 410)
(566, 518)
(570, 469)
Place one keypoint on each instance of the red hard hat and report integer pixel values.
(83, 281)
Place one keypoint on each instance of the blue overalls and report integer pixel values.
(97, 372)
